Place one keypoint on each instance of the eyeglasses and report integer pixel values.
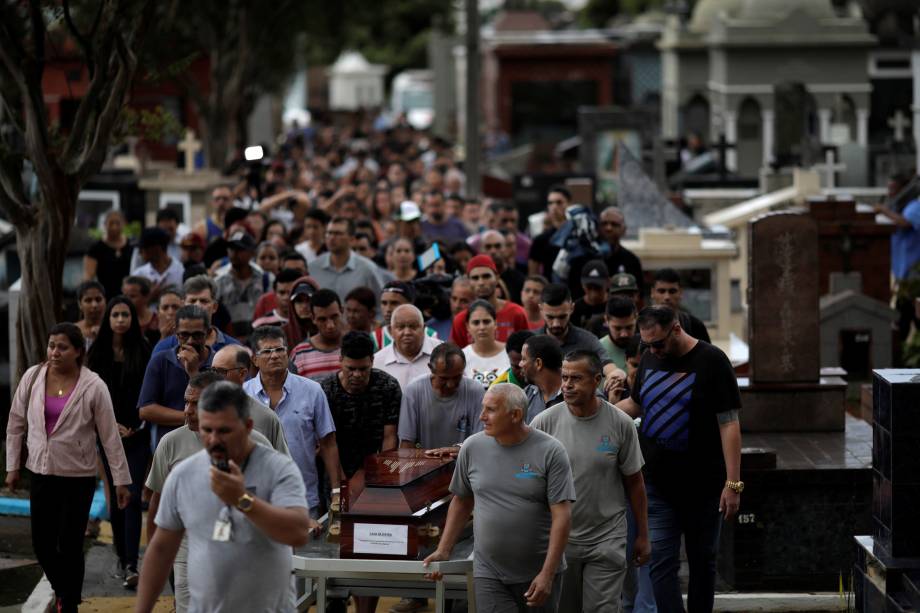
(270, 351)
(223, 372)
(198, 336)
(657, 345)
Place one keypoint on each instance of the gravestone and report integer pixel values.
(783, 299)
(785, 391)
(887, 569)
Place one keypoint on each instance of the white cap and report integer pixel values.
(409, 211)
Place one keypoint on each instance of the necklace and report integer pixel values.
(60, 392)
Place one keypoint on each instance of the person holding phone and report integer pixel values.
(59, 409)
(236, 500)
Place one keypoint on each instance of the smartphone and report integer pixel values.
(222, 465)
(427, 259)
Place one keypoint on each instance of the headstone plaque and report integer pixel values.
(396, 506)
(783, 299)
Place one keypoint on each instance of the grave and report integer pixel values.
(855, 328)
(806, 461)
(785, 390)
(188, 190)
(887, 568)
(850, 239)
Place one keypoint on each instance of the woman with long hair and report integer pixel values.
(401, 259)
(486, 359)
(119, 356)
(91, 303)
(59, 409)
(108, 260)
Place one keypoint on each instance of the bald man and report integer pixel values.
(407, 358)
(232, 363)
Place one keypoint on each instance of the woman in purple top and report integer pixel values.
(119, 356)
(58, 412)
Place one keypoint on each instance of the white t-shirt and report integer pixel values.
(485, 370)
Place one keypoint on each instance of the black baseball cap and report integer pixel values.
(400, 287)
(595, 273)
(241, 240)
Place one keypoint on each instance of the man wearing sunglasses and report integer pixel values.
(162, 397)
(688, 398)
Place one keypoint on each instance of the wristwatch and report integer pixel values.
(244, 504)
(735, 486)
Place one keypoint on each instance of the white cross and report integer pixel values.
(830, 169)
(189, 146)
(899, 122)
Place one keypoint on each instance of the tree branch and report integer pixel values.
(13, 199)
(84, 43)
(94, 154)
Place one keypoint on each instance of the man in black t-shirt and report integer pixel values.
(542, 252)
(667, 291)
(364, 403)
(611, 228)
(688, 398)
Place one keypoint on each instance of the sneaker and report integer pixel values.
(131, 578)
(118, 572)
(409, 605)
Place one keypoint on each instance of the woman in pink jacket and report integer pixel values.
(58, 409)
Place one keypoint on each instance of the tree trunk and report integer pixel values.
(42, 249)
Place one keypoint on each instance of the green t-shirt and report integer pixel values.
(616, 355)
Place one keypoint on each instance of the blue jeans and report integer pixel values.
(638, 595)
(698, 520)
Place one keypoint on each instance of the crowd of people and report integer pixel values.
(347, 298)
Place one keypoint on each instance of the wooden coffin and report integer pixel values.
(396, 506)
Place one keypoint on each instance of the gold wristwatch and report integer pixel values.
(244, 503)
(735, 486)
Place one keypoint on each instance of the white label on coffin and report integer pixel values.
(381, 539)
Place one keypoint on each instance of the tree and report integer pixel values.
(106, 35)
(251, 47)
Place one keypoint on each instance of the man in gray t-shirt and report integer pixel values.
(603, 445)
(236, 501)
(519, 482)
(440, 409)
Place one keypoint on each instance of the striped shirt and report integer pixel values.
(314, 363)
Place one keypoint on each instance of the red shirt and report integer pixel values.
(510, 318)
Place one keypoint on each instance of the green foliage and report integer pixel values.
(155, 126)
(598, 13)
(394, 32)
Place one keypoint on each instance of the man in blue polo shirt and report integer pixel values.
(200, 291)
(162, 398)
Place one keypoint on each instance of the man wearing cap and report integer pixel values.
(595, 282)
(509, 317)
(612, 228)
(168, 221)
(241, 286)
(160, 268)
(341, 269)
(409, 226)
(407, 357)
(394, 294)
(437, 224)
(191, 248)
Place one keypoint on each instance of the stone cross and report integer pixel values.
(189, 146)
(899, 123)
(830, 169)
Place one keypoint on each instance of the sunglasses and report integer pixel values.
(657, 345)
